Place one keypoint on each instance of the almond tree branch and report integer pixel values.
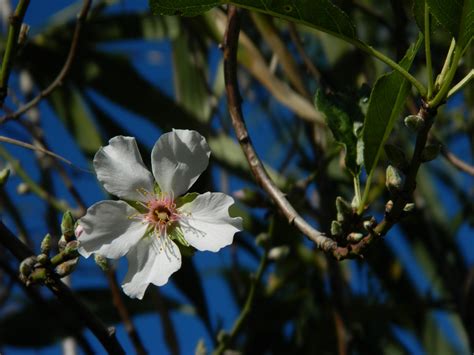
(105, 335)
(16, 20)
(456, 162)
(81, 18)
(234, 102)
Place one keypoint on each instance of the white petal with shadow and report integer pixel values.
(151, 261)
(178, 158)
(206, 223)
(119, 167)
(107, 229)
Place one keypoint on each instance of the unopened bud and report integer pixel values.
(26, 82)
(101, 261)
(22, 189)
(4, 175)
(200, 348)
(388, 206)
(43, 259)
(263, 240)
(27, 265)
(336, 228)
(409, 207)
(430, 152)
(62, 242)
(394, 179)
(344, 209)
(70, 251)
(354, 237)
(46, 244)
(278, 253)
(66, 267)
(414, 122)
(369, 224)
(67, 225)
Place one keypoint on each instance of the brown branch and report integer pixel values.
(234, 102)
(394, 212)
(456, 162)
(123, 313)
(64, 71)
(105, 335)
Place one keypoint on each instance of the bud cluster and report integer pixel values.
(40, 268)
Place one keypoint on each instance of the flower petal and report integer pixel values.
(107, 229)
(206, 223)
(178, 158)
(119, 167)
(152, 260)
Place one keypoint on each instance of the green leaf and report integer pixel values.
(457, 16)
(341, 114)
(190, 77)
(385, 104)
(320, 14)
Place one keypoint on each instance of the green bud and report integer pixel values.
(278, 253)
(409, 207)
(4, 175)
(66, 267)
(101, 261)
(394, 179)
(67, 226)
(70, 251)
(200, 348)
(396, 155)
(430, 152)
(46, 244)
(414, 122)
(263, 240)
(43, 259)
(336, 228)
(344, 209)
(62, 243)
(27, 265)
(354, 237)
(39, 275)
(22, 189)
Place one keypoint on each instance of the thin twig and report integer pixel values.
(456, 162)
(105, 335)
(123, 313)
(16, 20)
(64, 71)
(234, 102)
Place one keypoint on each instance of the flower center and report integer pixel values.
(161, 213)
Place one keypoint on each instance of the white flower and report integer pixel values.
(151, 215)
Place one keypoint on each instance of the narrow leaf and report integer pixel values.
(385, 104)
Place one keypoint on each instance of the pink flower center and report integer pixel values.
(161, 213)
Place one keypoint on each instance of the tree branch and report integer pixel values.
(234, 102)
(104, 335)
(64, 71)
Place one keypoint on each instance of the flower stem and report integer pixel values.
(16, 20)
(429, 65)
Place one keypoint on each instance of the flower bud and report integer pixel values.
(101, 261)
(354, 237)
(409, 207)
(4, 175)
(414, 122)
(344, 209)
(67, 226)
(27, 265)
(66, 267)
(46, 244)
(430, 152)
(43, 259)
(336, 228)
(26, 82)
(62, 243)
(22, 189)
(388, 206)
(278, 253)
(263, 240)
(70, 251)
(394, 179)
(200, 348)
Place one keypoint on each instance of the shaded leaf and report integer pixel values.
(385, 104)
